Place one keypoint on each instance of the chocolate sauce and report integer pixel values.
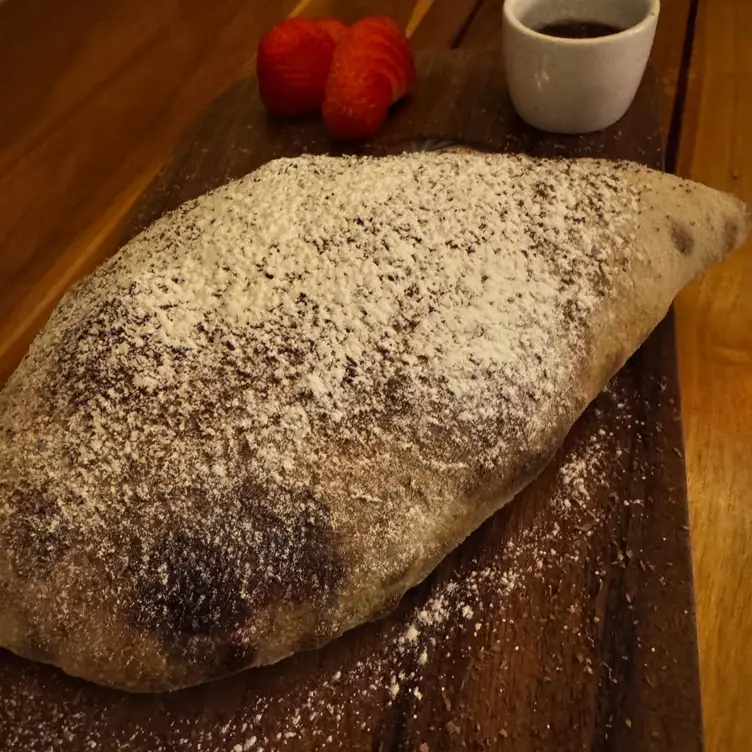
(576, 29)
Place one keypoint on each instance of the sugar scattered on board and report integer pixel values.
(412, 650)
(397, 667)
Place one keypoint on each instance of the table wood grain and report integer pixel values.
(715, 351)
(96, 96)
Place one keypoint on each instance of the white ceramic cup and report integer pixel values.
(576, 85)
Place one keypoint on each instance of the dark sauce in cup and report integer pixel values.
(576, 29)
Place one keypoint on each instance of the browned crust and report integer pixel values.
(194, 630)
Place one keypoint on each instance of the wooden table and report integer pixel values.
(96, 95)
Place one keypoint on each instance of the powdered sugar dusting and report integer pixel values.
(410, 654)
(413, 651)
(243, 376)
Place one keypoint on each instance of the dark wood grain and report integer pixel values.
(570, 624)
(443, 24)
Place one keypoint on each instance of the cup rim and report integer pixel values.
(648, 19)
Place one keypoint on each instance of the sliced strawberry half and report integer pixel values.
(292, 64)
(357, 102)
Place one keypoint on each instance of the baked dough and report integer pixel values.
(281, 405)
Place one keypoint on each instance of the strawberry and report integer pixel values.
(292, 64)
(371, 69)
(357, 102)
(381, 40)
(333, 27)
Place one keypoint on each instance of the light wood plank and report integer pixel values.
(350, 11)
(104, 92)
(715, 357)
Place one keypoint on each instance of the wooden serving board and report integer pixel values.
(564, 623)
